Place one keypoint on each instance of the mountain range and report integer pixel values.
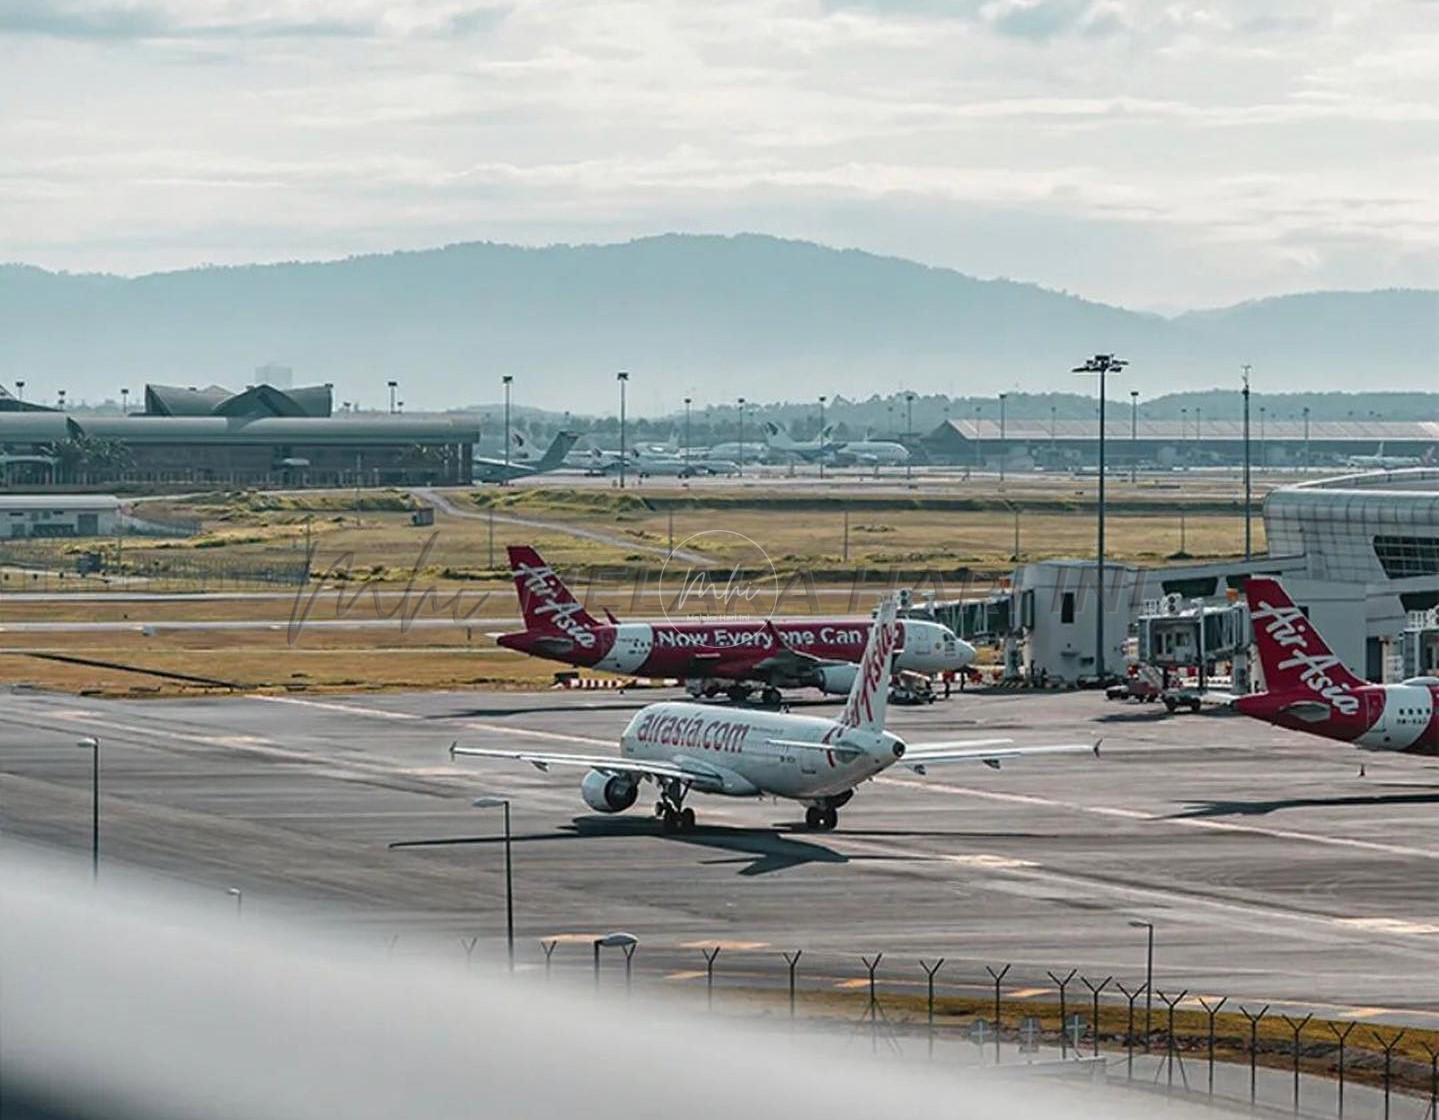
(709, 316)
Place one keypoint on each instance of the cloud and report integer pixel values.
(1042, 20)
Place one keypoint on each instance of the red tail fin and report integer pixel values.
(1293, 654)
(545, 602)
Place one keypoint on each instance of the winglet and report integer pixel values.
(1096, 745)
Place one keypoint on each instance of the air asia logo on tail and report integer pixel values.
(1301, 658)
(547, 603)
(874, 670)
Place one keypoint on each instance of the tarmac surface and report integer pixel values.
(1272, 872)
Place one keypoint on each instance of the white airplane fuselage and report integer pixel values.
(737, 746)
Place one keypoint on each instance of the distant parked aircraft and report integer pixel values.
(1381, 461)
(497, 470)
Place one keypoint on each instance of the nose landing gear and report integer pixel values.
(821, 819)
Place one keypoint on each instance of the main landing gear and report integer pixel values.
(821, 820)
(769, 696)
(671, 810)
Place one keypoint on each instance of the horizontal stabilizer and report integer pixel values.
(839, 751)
(1310, 711)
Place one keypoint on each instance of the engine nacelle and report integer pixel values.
(609, 793)
(837, 680)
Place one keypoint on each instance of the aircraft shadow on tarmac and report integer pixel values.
(759, 851)
(1263, 808)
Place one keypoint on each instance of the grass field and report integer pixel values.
(833, 550)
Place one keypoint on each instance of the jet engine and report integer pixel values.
(836, 680)
(609, 793)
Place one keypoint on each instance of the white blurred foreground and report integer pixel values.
(133, 1000)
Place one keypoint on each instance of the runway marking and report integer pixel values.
(411, 717)
(858, 982)
(686, 974)
(1390, 925)
(1026, 993)
(1178, 822)
(732, 946)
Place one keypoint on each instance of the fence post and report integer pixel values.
(998, 977)
(1094, 996)
(1063, 985)
(1388, 1063)
(629, 961)
(872, 965)
(1343, 1037)
(1297, 1025)
(710, 955)
(1433, 1080)
(1253, 1043)
(1169, 1031)
(1211, 1012)
(1129, 1029)
(549, 948)
(469, 947)
(792, 959)
(929, 971)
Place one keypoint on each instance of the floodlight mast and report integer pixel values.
(1103, 365)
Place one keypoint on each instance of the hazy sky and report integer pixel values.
(1162, 154)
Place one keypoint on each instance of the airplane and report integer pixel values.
(1309, 689)
(684, 747)
(497, 470)
(712, 656)
(1381, 461)
(865, 452)
(810, 450)
(646, 464)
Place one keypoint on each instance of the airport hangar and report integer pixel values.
(1167, 443)
(1360, 553)
(263, 436)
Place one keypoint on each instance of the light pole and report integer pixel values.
(392, 386)
(619, 940)
(978, 441)
(741, 435)
(92, 744)
(124, 400)
(239, 897)
(1184, 435)
(1148, 977)
(1248, 538)
(20, 391)
(1133, 434)
(507, 380)
(1102, 364)
(820, 438)
(491, 803)
(908, 434)
(623, 378)
(1198, 416)
(688, 401)
(1306, 439)
(62, 400)
(1002, 443)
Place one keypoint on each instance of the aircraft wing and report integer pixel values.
(543, 760)
(991, 752)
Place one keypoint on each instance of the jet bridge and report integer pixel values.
(1175, 633)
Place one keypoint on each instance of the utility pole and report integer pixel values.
(741, 435)
(506, 381)
(688, 401)
(1003, 444)
(1133, 435)
(820, 438)
(623, 378)
(392, 386)
(908, 433)
(1102, 364)
(1248, 530)
(1306, 439)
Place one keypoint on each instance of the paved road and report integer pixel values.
(1271, 871)
(615, 540)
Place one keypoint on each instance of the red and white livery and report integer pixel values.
(1309, 689)
(684, 747)
(713, 656)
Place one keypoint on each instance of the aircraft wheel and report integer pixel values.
(687, 820)
(670, 822)
(738, 693)
(771, 697)
(828, 819)
(812, 818)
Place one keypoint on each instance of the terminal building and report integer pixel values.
(263, 436)
(1024, 444)
(1359, 553)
